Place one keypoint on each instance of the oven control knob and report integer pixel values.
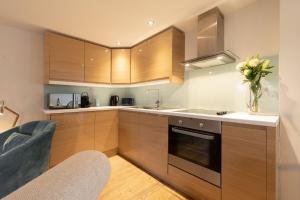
(180, 122)
(201, 125)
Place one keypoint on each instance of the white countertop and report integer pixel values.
(237, 117)
(59, 111)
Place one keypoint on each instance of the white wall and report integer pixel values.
(289, 100)
(248, 31)
(253, 29)
(21, 73)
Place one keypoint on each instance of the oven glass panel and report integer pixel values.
(203, 150)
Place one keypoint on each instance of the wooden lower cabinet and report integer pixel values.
(106, 131)
(143, 139)
(129, 140)
(74, 133)
(248, 152)
(83, 131)
(192, 186)
(244, 162)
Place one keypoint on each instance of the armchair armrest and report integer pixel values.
(81, 177)
(6, 134)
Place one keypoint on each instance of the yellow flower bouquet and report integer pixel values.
(254, 69)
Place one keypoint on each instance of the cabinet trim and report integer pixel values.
(108, 85)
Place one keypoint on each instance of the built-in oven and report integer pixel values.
(195, 147)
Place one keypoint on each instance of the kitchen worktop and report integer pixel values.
(236, 117)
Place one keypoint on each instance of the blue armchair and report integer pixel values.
(24, 154)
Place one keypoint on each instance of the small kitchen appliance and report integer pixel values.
(85, 100)
(114, 100)
(127, 101)
(64, 100)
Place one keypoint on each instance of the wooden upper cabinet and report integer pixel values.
(120, 66)
(156, 58)
(64, 58)
(244, 162)
(97, 64)
(139, 62)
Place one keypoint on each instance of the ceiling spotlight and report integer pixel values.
(187, 65)
(220, 57)
(118, 43)
(151, 22)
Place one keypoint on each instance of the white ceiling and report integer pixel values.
(108, 21)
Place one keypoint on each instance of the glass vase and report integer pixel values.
(255, 94)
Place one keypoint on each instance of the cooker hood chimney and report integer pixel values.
(210, 41)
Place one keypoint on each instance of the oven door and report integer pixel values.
(196, 152)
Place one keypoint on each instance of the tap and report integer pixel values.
(157, 102)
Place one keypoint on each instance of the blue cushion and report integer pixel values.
(14, 140)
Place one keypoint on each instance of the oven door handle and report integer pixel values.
(198, 135)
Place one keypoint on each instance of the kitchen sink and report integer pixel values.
(152, 108)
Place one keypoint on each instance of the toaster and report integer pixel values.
(127, 101)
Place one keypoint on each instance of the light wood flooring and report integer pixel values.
(127, 182)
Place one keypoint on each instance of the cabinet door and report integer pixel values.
(97, 64)
(139, 62)
(74, 133)
(244, 164)
(106, 131)
(120, 66)
(154, 142)
(160, 54)
(152, 59)
(66, 58)
(143, 138)
(129, 136)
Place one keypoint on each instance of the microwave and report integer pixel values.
(64, 100)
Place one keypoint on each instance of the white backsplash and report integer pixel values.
(103, 94)
(218, 88)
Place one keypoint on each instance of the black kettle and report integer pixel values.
(114, 100)
(85, 100)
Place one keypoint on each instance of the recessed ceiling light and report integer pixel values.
(187, 65)
(220, 57)
(151, 22)
(118, 43)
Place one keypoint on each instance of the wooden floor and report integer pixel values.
(127, 182)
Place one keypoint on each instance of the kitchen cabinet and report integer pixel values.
(120, 66)
(74, 133)
(159, 57)
(143, 139)
(64, 58)
(248, 162)
(192, 186)
(97, 67)
(82, 131)
(129, 136)
(106, 131)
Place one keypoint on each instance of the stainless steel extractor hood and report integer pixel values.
(210, 41)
